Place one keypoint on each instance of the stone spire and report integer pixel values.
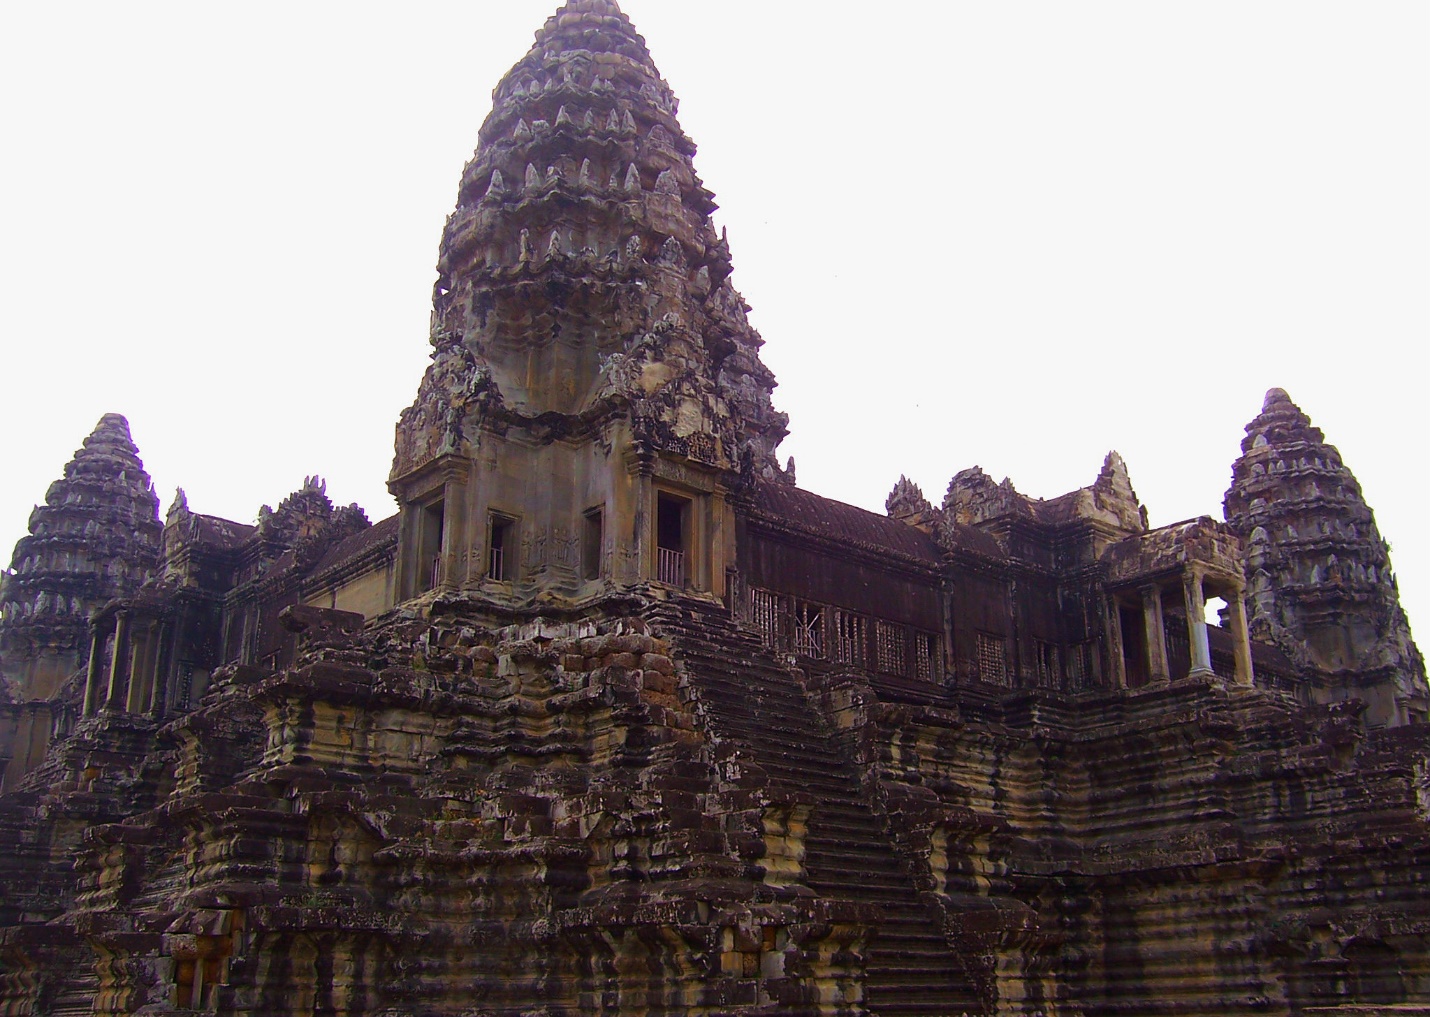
(95, 538)
(1319, 582)
(581, 276)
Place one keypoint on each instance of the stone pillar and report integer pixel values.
(409, 568)
(721, 540)
(1197, 625)
(97, 640)
(176, 634)
(118, 664)
(1157, 669)
(158, 689)
(644, 529)
(1113, 619)
(18, 762)
(454, 531)
(41, 724)
(1240, 636)
(136, 700)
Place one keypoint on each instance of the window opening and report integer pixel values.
(808, 629)
(1080, 666)
(766, 615)
(925, 656)
(186, 684)
(592, 539)
(992, 659)
(500, 550)
(1134, 646)
(851, 634)
(672, 527)
(1047, 654)
(889, 647)
(1179, 649)
(431, 523)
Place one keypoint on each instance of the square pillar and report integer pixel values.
(643, 528)
(455, 542)
(97, 639)
(159, 635)
(118, 665)
(1112, 619)
(1157, 669)
(1196, 603)
(136, 701)
(1240, 637)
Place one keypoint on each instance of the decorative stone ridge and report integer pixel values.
(906, 503)
(1107, 508)
(1319, 580)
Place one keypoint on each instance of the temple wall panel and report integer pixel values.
(828, 578)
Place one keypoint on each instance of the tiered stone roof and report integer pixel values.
(95, 538)
(581, 275)
(1319, 581)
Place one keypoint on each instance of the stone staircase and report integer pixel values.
(752, 700)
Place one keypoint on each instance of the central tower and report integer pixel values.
(595, 394)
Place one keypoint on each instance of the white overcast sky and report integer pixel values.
(1014, 234)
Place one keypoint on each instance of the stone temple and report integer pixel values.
(612, 717)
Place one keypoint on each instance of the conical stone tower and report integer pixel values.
(587, 338)
(1319, 581)
(95, 538)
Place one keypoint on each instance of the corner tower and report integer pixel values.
(1319, 582)
(595, 394)
(95, 538)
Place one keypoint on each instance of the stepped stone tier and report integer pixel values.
(613, 717)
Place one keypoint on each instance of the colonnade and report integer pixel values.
(126, 679)
(1149, 598)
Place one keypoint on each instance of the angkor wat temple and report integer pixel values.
(612, 717)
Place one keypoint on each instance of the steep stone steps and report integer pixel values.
(753, 702)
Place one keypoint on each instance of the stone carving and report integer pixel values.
(456, 388)
(906, 503)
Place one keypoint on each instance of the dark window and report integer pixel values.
(767, 613)
(186, 684)
(501, 538)
(808, 629)
(992, 659)
(672, 527)
(1080, 666)
(1047, 660)
(851, 636)
(889, 647)
(925, 656)
(592, 538)
(431, 523)
(1134, 646)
